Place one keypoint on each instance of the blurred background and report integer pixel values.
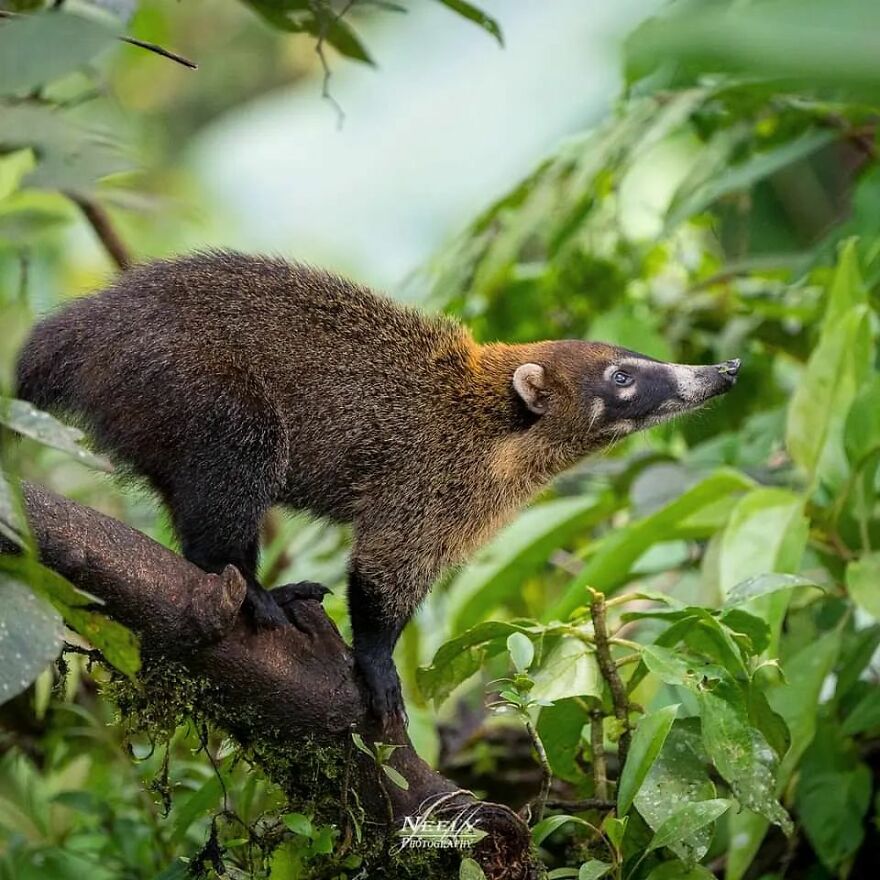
(696, 181)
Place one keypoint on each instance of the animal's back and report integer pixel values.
(178, 357)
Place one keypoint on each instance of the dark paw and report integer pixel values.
(289, 597)
(384, 697)
(265, 612)
(295, 592)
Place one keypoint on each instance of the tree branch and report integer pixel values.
(275, 691)
(100, 221)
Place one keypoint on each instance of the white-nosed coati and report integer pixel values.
(234, 382)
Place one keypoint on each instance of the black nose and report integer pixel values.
(730, 368)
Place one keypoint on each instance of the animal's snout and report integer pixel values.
(729, 369)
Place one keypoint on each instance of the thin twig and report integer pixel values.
(325, 16)
(597, 746)
(134, 41)
(159, 50)
(608, 668)
(540, 801)
(100, 221)
(582, 806)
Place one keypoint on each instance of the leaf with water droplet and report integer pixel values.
(30, 637)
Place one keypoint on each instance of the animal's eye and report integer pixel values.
(622, 379)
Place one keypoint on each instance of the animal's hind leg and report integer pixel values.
(216, 532)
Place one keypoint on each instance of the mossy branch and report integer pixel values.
(279, 693)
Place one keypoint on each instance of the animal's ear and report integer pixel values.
(530, 382)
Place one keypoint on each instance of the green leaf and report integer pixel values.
(610, 565)
(861, 432)
(459, 658)
(521, 651)
(766, 532)
(865, 715)
(472, 13)
(808, 44)
(863, 583)
(746, 174)
(593, 870)
(740, 753)
(569, 669)
(561, 727)
(13, 168)
(205, 798)
(119, 645)
(358, 740)
(797, 702)
(470, 870)
(30, 637)
(835, 371)
(679, 775)
(678, 871)
(546, 827)
(687, 820)
(646, 744)
(674, 667)
(832, 807)
(396, 777)
(298, 823)
(12, 525)
(177, 870)
(27, 420)
(520, 549)
(615, 830)
(70, 157)
(764, 585)
(35, 49)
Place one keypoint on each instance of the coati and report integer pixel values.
(236, 382)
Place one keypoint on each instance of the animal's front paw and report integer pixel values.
(265, 612)
(384, 697)
(289, 596)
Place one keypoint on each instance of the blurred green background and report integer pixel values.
(696, 181)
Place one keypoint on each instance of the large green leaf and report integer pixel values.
(568, 669)
(35, 49)
(863, 583)
(796, 701)
(25, 419)
(520, 549)
(766, 532)
(30, 637)
(807, 43)
(70, 157)
(740, 753)
(116, 642)
(459, 658)
(646, 745)
(687, 820)
(678, 776)
(837, 368)
(561, 728)
(614, 558)
(862, 429)
(745, 175)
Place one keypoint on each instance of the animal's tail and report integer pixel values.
(50, 362)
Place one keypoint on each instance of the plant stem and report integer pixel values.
(540, 801)
(608, 668)
(597, 744)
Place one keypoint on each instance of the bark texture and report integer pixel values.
(270, 689)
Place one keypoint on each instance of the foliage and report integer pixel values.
(726, 208)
